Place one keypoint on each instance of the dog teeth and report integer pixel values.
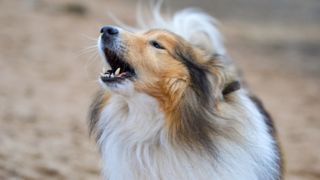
(103, 74)
(117, 71)
(109, 73)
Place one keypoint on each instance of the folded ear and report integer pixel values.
(174, 88)
(231, 87)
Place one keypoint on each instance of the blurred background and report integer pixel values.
(49, 67)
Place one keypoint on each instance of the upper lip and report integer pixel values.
(120, 69)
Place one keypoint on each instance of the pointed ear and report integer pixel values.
(231, 87)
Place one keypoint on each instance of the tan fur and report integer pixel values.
(161, 75)
(188, 85)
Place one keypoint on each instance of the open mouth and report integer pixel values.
(120, 70)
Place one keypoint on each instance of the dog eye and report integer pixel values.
(156, 45)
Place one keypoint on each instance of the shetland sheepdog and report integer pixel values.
(173, 107)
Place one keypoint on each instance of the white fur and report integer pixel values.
(135, 145)
(192, 24)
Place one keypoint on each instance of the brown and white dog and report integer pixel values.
(172, 108)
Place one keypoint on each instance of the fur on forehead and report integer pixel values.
(193, 25)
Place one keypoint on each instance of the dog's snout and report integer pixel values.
(110, 37)
(109, 30)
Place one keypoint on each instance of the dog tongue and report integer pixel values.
(122, 74)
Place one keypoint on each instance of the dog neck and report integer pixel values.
(135, 118)
(134, 140)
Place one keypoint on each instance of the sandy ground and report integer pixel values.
(48, 77)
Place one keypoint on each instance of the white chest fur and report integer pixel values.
(135, 145)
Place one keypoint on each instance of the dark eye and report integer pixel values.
(156, 45)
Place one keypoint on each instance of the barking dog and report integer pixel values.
(172, 107)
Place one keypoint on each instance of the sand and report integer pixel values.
(49, 68)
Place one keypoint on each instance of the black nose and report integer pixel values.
(109, 30)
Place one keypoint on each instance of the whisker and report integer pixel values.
(87, 50)
(89, 62)
(89, 38)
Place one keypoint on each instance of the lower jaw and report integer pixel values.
(125, 88)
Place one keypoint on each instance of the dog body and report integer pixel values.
(171, 107)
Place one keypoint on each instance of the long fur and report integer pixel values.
(210, 130)
(192, 24)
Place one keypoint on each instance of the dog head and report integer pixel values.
(186, 80)
(156, 60)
